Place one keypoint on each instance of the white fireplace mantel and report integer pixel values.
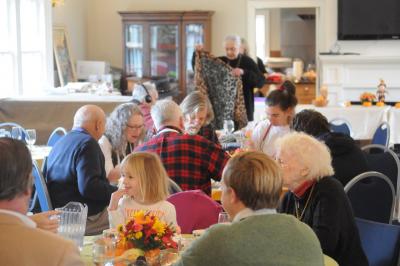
(347, 76)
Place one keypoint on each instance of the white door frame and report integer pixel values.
(320, 20)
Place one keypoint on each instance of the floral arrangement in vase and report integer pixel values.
(367, 98)
(146, 232)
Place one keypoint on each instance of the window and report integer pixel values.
(25, 49)
(260, 36)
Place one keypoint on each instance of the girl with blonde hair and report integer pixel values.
(144, 187)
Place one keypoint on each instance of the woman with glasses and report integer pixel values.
(124, 130)
(316, 198)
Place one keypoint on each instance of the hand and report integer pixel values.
(199, 47)
(237, 72)
(115, 197)
(45, 221)
(114, 175)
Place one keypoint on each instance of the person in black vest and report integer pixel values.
(348, 160)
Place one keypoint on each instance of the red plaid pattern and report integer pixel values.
(189, 160)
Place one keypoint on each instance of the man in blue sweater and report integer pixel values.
(75, 168)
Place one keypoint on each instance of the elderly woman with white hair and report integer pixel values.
(318, 199)
(198, 115)
(124, 130)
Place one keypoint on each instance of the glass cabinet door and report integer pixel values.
(134, 49)
(164, 53)
(194, 34)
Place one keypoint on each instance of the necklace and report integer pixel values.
(297, 207)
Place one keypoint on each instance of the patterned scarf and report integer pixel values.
(213, 77)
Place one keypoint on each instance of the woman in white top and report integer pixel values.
(124, 129)
(280, 105)
(145, 188)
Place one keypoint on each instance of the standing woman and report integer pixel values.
(280, 107)
(124, 130)
(197, 116)
(242, 66)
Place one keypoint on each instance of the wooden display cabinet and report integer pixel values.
(161, 44)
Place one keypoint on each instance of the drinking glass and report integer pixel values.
(223, 218)
(103, 250)
(229, 126)
(16, 133)
(30, 137)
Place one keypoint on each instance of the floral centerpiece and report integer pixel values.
(367, 98)
(146, 232)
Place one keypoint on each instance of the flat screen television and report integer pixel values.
(368, 19)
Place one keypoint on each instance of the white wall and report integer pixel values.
(73, 16)
(105, 27)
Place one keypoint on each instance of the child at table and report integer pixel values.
(144, 186)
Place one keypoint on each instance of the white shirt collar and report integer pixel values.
(167, 129)
(247, 212)
(25, 219)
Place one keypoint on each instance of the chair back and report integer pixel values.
(372, 196)
(173, 187)
(340, 125)
(380, 242)
(41, 189)
(56, 135)
(194, 210)
(382, 135)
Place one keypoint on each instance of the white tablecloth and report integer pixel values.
(394, 123)
(45, 113)
(363, 120)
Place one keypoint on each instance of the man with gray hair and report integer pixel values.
(75, 168)
(145, 96)
(190, 160)
(22, 243)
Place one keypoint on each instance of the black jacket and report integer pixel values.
(348, 160)
(329, 214)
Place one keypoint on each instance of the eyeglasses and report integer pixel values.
(134, 127)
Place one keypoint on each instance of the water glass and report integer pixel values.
(168, 257)
(103, 250)
(16, 133)
(223, 218)
(229, 126)
(30, 137)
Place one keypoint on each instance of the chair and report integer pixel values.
(385, 161)
(372, 196)
(194, 210)
(41, 191)
(382, 135)
(173, 187)
(56, 135)
(380, 242)
(382, 159)
(340, 125)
